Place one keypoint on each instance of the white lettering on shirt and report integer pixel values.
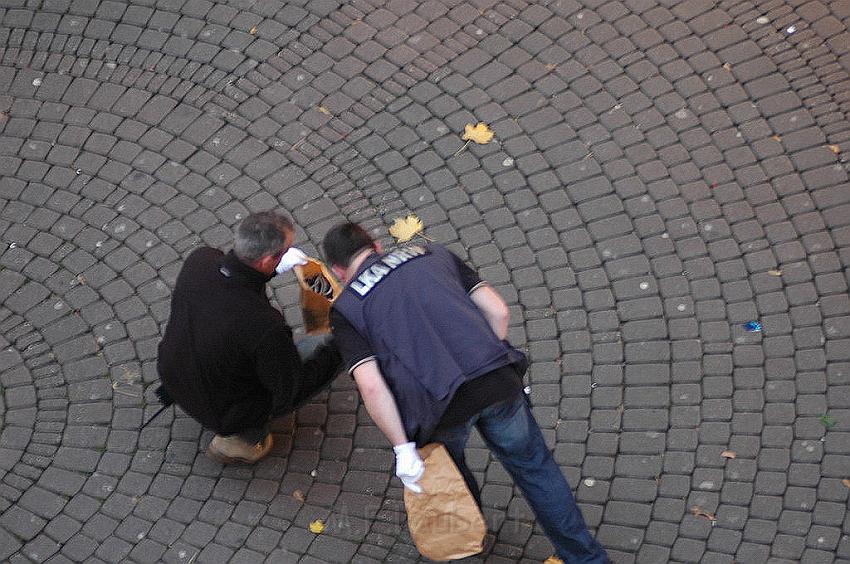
(372, 275)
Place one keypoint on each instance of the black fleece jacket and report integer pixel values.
(227, 357)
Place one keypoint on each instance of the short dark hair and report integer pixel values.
(261, 234)
(344, 241)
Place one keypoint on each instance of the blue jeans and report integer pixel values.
(511, 432)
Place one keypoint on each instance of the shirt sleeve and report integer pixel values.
(468, 277)
(282, 371)
(353, 346)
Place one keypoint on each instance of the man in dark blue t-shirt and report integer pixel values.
(425, 340)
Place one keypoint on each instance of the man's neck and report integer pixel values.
(246, 268)
(254, 265)
(356, 262)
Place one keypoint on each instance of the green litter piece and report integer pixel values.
(827, 421)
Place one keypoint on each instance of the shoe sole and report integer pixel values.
(222, 458)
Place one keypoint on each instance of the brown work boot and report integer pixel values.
(229, 449)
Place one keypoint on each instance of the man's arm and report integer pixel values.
(493, 307)
(485, 297)
(283, 373)
(379, 401)
(377, 397)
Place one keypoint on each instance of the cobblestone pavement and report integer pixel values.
(662, 173)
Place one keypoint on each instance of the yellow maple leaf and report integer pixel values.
(403, 229)
(317, 526)
(479, 133)
(834, 148)
(553, 560)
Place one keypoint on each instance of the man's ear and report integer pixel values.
(267, 264)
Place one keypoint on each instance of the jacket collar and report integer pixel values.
(234, 269)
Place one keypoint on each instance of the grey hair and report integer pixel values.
(261, 234)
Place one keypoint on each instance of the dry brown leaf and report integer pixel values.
(299, 495)
(553, 560)
(479, 133)
(403, 229)
(700, 512)
(728, 454)
(846, 482)
(834, 148)
(317, 526)
(775, 272)
(253, 30)
(776, 138)
(727, 66)
(324, 110)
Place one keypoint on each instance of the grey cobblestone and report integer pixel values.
(660, 176)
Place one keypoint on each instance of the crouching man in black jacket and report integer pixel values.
(228, 357)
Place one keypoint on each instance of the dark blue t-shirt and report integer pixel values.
(471, 397)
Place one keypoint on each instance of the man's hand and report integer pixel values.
(290, 259)
(409, 466)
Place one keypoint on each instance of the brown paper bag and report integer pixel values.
(319, 289)
(444, 520)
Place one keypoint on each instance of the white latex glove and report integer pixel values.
(290, 259)
(409, 466)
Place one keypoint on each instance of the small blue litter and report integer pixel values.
(752, 326)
